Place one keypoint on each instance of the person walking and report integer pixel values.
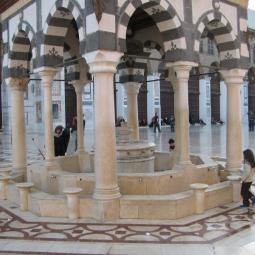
(156, 123)
(247, 178)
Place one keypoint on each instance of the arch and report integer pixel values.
(22, 49)
(20, 54)
(166, 20)
(55, 30)
(225, 38)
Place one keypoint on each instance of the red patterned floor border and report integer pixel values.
(130, 233)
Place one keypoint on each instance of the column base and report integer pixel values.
(107, 194)
(183, 165)
(107, 210)
(19, 174)
(234, 168)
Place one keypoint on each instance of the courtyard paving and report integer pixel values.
(223, 230)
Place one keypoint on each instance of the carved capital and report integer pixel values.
(18, 84)
(102, 61)
(233, 76)
(47, 74)
(132, 88)
(78, 86)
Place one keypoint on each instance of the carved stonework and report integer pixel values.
(18, 84)
(98, 6)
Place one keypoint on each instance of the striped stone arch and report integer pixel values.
(225, 38)
(132, 70)
(148, 46)
(55, 30)
(166, 20)
(22, 51)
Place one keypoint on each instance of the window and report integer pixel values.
(56, 108)
(210, 47)
(38, 108)
(37, 90)
(26, 94)
(56, 90)
(55, 111)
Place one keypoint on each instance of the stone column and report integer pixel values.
(47, 74)
(78, 86)
(179, 76)
(103, 66)
(19, 152)
(234, 80)
(132, 90)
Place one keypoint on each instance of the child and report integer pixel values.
(171, 144)
(247, 178)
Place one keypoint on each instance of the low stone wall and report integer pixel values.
(130, 207)
(157, 183)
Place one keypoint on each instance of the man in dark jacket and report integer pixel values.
(61, 140)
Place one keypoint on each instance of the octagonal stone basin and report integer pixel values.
(137, 157)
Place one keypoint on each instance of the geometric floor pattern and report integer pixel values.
(206, 230)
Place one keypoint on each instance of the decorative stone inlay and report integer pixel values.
(207, 230)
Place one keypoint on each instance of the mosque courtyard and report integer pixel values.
(225, 229)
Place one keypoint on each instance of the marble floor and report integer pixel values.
(208, 140)
(221, 231)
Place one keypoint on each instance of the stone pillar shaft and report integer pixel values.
(47, 76)
(19, 152)
(103, 66)
(234, 128)
(132, 90)
(180, 76)
(234, 80)
(80, 128)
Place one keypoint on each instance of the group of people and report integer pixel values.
(62, 138)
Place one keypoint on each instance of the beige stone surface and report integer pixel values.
(128, 211)
(218, 194)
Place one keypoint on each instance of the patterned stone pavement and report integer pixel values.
(203, 231)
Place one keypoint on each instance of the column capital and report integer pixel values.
(78, 86)
(101, 61)
(132, 87)
(181, 68)
(18, 83)
(233, 76)
(47, 74)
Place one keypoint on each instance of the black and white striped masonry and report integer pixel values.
(166, 20)
(55, 30)
(103, 26)
(227, 42)
(18, 61)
